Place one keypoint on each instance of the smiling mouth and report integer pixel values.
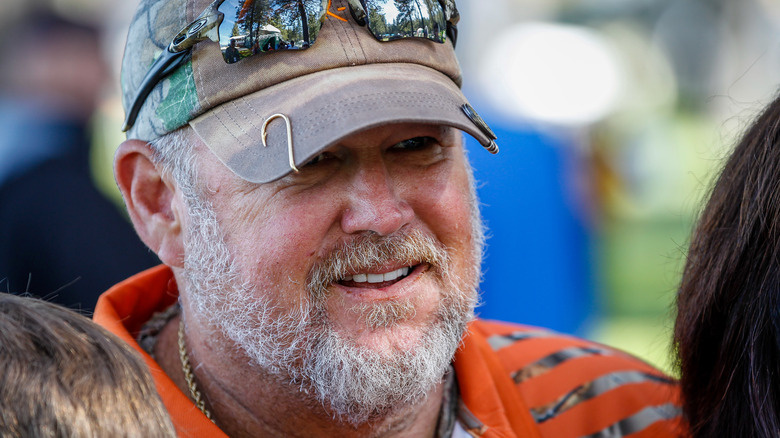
(376, 280)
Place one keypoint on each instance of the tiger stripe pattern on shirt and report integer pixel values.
(578, 388)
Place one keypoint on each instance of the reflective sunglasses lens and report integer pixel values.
(391, 20)
(250, 27)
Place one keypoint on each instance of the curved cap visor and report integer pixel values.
(323, 108)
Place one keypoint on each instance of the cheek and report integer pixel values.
(277, 243)
(447, 211)
(443, 202)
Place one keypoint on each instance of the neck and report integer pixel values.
(245, 402)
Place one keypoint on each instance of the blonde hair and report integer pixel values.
(62, 375)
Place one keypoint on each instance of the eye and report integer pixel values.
(418, 151)
(415, 144)
(319, 159)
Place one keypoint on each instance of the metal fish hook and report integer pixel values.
(264, 134)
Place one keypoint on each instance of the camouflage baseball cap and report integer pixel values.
(345, 83)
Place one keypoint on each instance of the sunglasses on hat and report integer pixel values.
(245, 28)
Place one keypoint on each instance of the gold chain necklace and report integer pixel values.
(189, 376)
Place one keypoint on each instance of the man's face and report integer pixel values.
(370, 251)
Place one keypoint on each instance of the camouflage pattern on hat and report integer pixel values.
(346, 82)
(174, 101)
(200, 83)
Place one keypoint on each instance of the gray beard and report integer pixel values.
(300, 346)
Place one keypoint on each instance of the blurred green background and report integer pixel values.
(650, 95)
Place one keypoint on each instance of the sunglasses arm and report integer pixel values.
(205, 26)
(452, 33)
(166, 63)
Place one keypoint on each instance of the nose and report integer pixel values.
(374, 203)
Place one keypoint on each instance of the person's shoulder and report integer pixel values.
(526, 345)
(570, 383)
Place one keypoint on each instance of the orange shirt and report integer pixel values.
(514, 381)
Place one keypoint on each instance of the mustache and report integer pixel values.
(371, 251)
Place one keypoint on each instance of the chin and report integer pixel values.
(389, 341)
(386, 327)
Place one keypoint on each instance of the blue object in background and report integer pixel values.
(537, 269)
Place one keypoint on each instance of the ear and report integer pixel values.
(151, 201)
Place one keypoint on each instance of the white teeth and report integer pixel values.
(390, 276)
(378, 278)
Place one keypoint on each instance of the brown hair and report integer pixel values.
(725, 334)
(62, 375)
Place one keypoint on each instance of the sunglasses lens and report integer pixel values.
(391, 20)
(250, 27)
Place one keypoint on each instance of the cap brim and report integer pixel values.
(324, 108)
